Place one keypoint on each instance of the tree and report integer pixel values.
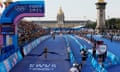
(91, 25)
(113, 23)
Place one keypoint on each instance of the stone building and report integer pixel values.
(60, 22)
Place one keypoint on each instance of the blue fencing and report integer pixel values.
(71, 55)
(7, 49)
(6, 52)
(94, 63)
(113, 59)
(10, 58)
(27, 48)
(10, 62)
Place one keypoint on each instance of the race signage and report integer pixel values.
(7, 29)
(29, 8)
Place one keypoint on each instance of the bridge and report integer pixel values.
(62, 51)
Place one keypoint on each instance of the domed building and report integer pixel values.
(60, 22)
(60, 16)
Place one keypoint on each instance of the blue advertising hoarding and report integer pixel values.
(21, 9)
(7, 29)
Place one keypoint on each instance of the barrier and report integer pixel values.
(7, 49)
(114, 59)
(7, 54)
(71, 56)
(117, 38)
(94, 63)
(10, 62)
(27, 48)
(14, 57)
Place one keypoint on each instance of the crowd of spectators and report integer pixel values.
(27, 31)
(112, 35)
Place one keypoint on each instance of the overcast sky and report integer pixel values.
(79, 9)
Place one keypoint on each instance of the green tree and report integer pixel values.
(91, 25)
(113, 23)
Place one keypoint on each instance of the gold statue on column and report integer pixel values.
(1, 5)
(8, 2)
(101, 1)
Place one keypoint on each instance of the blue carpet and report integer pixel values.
(55, 62)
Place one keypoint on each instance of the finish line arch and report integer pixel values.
(12, 14)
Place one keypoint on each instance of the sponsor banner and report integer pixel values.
(33, 44)
(9, 63)
(2, 67)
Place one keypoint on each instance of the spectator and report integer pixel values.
(29, 31)
(94, 49)
(83, 52)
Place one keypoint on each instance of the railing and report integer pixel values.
(113, 58)
(27, 48)
(71, 55)
(12, 57)
(7, 51)
(10, 62)
(94, 63)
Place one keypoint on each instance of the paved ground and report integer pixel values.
(55, 62)
(57, 56)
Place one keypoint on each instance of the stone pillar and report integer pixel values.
(100, 17)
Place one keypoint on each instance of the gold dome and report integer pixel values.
(101, 1)
(60, 12)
